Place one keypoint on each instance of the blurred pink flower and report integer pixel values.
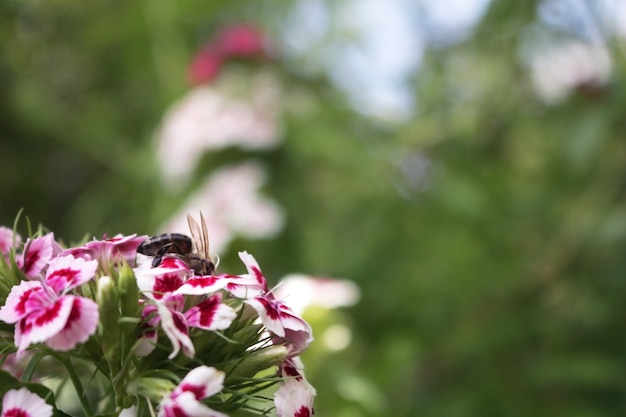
(241, 41)
(236, 41)
(16, 366)
(23, 403)
(233, 112)
(233, 206)
(205, 66)
(8, 240)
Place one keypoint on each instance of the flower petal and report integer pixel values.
(38, 253)
(8, 240)
(200, 383)
(282, 322)
(253, 268)
(186, 406)
(44, 321)
(211, 314)
(276, 316)
(129, 412)
(114, 250)
(81, 324)
(203, 381)
(23, 403)
(166, 278)
(245, 286)
(175, 327)
(14, 308)
(149, 337)
(118, 248)
(200, 285)
(67, 272)
(294, 398)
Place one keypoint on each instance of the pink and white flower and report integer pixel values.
(44, 311)
(168, 277)
(254, 270)
(240, 286)
(8, 241)
(285, 325)
(175, 325)
(23, 403)
(109, 251)
(59, 303)
(210, 314)
(184, 401)
(37, 253)
(173, 276)
(295, 396)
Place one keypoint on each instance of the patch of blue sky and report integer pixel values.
(371, 48)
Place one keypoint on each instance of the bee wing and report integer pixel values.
(200, 236)
(196, 235)
(205, 238)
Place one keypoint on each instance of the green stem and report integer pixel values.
(78, 385)
(27, 375)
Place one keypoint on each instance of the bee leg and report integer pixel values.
(160, 253)
(157, 261)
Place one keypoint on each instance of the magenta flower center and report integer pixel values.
(16, 412)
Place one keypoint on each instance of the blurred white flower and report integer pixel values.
(233, 206)
(558, 69)
(234, 111)
(302, 291)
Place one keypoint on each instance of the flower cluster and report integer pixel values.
(139, 335)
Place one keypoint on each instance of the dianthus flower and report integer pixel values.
(23, 403)
(184, 401)
(116, 321)
(44, 311)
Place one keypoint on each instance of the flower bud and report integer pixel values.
(108, 304)
(257, 361)
(151, 387)
(129, 297)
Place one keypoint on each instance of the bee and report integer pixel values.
(181, 246)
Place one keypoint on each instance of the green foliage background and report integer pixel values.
(496, 290)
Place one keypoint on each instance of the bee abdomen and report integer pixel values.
(166, 243)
